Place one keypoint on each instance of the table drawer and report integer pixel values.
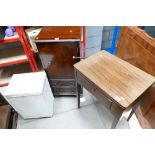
(95, 91)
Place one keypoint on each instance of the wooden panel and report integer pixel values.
(63, 86)
(138, 48)
(57, 91)
(59, 32)
(146, 113)
(95, 91)
(123, 82)
(63, 82)
(57, 58)
(5, 112)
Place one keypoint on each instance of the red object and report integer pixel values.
(27, 49)
(9, 40)
(13, 62)
(84, 41)
(4, 84)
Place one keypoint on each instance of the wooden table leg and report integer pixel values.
(133, 110)
(78, 88)
(140, 102)
(116, 119)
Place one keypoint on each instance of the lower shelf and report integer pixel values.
(12, 54)
(7, 72)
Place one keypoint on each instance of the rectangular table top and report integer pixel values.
(122, 81)
(59, 33)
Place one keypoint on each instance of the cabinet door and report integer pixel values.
(57, 58)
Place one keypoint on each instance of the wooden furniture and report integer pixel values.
(13, 56)
(138, 48)
(59, 50)
(116, 83)
(5, 114)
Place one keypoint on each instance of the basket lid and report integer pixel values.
(26, 84)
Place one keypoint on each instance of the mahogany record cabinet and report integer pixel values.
(59, 49)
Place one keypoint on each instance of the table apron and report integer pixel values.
(108, 103)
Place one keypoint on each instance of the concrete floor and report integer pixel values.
(91, 115)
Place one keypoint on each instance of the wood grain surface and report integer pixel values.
(120, 80)
(56, 54)
(59, 32)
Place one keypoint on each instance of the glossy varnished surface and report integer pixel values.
(59, 32)
(120, 80)
(57, 58)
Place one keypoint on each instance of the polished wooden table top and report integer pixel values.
(59, 32)
(123, 82)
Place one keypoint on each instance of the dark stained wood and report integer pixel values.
(3, 101)
(57, 57)
(14, 120)
(61, 32)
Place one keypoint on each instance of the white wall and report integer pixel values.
(99, 38)
(93, 39)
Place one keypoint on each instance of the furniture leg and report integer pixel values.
(133, 110)
(78, 88)
(136, 106)
(116, 119)
(14, 123)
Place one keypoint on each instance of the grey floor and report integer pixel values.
(91, 115)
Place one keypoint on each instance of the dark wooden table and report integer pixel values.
(117, 84)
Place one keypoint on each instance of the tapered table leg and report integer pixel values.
(116, 119)
(78, 88)
(140, 102)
